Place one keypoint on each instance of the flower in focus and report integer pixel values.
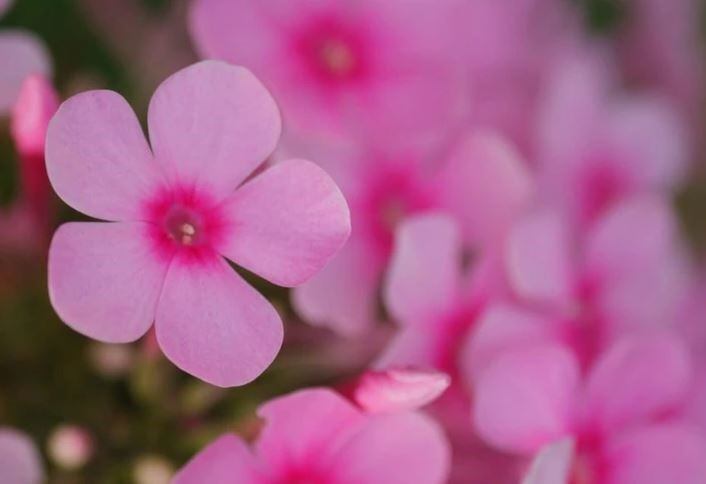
(617, 423)
(370, 70)
(482, 181)
(20, 462)
(173, 212)
(316, 436)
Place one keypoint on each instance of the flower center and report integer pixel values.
(183, 226)
(336, 57)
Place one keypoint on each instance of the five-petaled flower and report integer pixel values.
(175, 209)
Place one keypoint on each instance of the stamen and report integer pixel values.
(337, 57)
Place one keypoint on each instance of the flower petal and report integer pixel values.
(304, 427)
(639, 377)
(98, 160)
(341, 296)
(20, 462)
(552, 464)
(287, 223)
(486, 185)
(539, 261)
(398, 389)
(659, 454)
(213, 325)
(226, 460)
(396, 448)
(424, 272)
(524, 399)
(104, 280)
(212, 124)
(21, 55)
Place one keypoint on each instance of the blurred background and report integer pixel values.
(122, 413)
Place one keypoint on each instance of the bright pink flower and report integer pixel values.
(376, 70)
(596, 146)
(20, 462)
(626, 274)
(316, 436)
(399, 389)
(482, 182)
(621, 417)
(36, 104)
(177, 208)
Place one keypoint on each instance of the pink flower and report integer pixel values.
(482, 181)
(20, 462)
(21, 55)
(624, 275)
(372, 70)
(621, 418)
(36, 103)
(174, 209)
(316, 436)
(397, 389)
(597, 146)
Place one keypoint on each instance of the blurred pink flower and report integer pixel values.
(36, 103)
(21, 55)
(598, 145)
(621, 418)
(623, 276)
(661, 48)
(175, 210)
(381, 71)
(482, 182)
(397, 389)
(316, 436)
(20, 462)
(70, 446)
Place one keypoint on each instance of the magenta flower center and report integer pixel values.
(184, 222)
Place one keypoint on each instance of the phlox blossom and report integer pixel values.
(176, 207)
(316, 436)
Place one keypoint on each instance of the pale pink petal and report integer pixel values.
(212, 124)
(399, 389)
(539, 259)
(524, 399)
(20, 462)
(552, 464)
(638, 378)
(215, 326)
(287, 223)
(504, 327)
(486, 185)
(424, 272)
(642, 279)
(657, 455)
(97, 157)
(652, 139)
(227, 460)
(21, 54)
(397, 448)
(104, 279)
(307, 426)
(342, 296)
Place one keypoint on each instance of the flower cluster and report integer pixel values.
(481, 193)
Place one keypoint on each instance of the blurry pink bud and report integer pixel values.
(70, 446)
(399, 389)
(36, 104)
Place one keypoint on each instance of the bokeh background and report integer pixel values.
(122, 413)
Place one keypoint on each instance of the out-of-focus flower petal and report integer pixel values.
(398, 389)
(552, 464)
(36, 103)
(20, 462)
(227, 460)
(21, 55)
